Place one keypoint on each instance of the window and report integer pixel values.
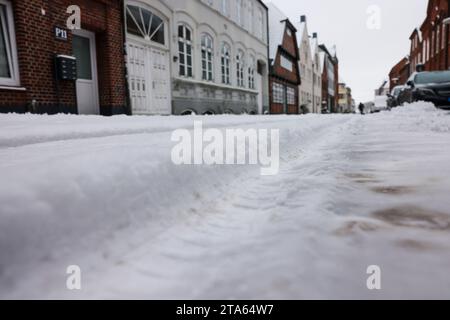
(250, 17)
(225, 7)
(251, 73)
(185, 51)
(225, 62)
(290, 94)
(9, 69)
(143, 23)
(432, 44)
(443, 37)
(207, 57)
(260, 28)
(278, 93)
(438, 38)
(240, 68)
(286, 63)
(239, 12)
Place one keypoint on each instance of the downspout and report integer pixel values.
(447, 67)
(125, 55)
(268, 64)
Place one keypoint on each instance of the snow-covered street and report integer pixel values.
(103, 194)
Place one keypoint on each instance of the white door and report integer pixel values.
(87, 84)
(149, 79)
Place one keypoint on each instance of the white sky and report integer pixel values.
(366, 56)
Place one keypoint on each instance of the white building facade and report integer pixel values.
(310, 90)
(197, 56)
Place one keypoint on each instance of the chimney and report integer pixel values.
(315, 35)
(302, 19)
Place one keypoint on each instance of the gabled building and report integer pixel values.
(330, 83)
(306, 67)
(400, 73)
(284, 64)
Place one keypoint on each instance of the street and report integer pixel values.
(352, 191)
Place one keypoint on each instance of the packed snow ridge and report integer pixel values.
(103, 194)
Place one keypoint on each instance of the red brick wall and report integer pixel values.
(37, 46)
(437, 59)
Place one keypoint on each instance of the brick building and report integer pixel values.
(33, 32)
(400, 73)
(284, 75)
(435, 36)
(330, 80)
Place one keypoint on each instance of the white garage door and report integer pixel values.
(149, 79)
(148, 61)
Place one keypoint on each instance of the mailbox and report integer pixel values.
(66, 67)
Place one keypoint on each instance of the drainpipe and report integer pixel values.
(125, 54)
(447, 25)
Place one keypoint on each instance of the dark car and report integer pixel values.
(431, 87)
(397, 97)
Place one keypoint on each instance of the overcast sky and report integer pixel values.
(366, 55)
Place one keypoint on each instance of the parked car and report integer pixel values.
(380, 104)
(397, 97)
(432, 87)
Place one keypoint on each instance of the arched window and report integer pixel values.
(239, 12)
(185, 51)
(225, 62)
(240, 68)
(207, 57)
(145, 24)
(251, 72)
(251, 15)
(225, 7)
(260, 28)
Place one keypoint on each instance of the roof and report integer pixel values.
(277, 26)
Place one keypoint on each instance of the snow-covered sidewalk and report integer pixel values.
(102, 193)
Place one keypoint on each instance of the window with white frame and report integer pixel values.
(225, 7)
(443, 37)
(185, 51)
(239, 12)
(240, 68)
(143, 23)
(250, 17)
(207, 57)
(290, 95)
(225, 62)
(438, 38)
(260, 28)
(9, 70)
(251, 72)
(278, 93)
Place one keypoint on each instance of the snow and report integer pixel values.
(102, 193)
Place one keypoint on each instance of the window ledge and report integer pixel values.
(12, 88)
